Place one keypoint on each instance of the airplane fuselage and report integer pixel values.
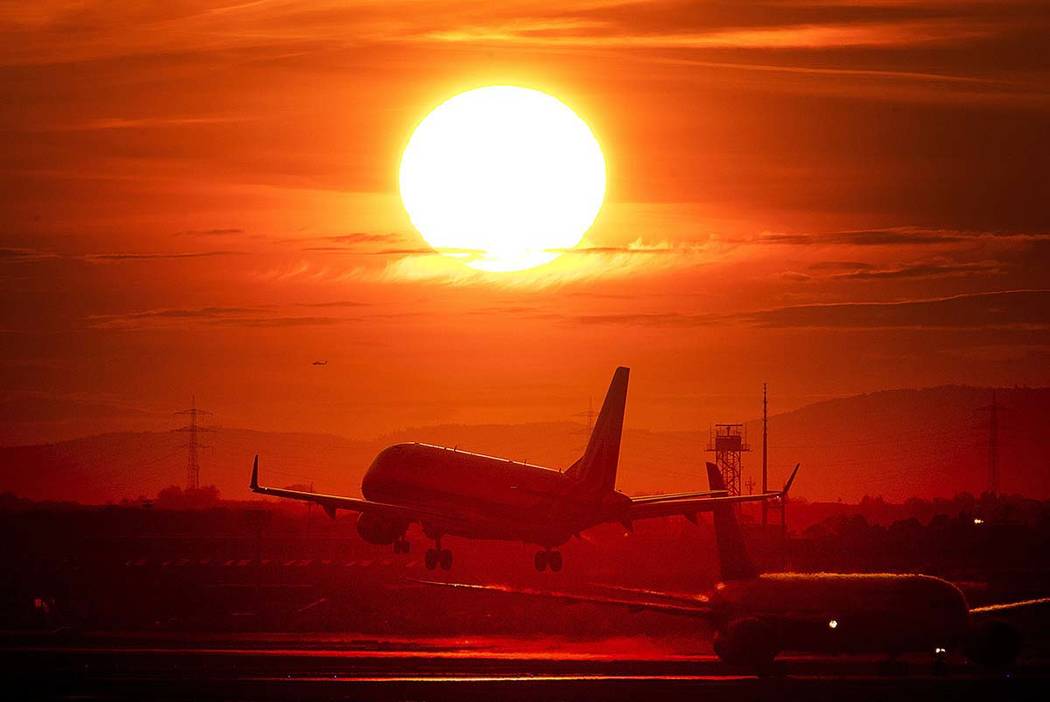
(493, 498)
(846, 613)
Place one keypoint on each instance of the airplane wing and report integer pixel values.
(331, 503)
(689, 504)
(677, 496)
(658, 602)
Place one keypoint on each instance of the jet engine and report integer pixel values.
(747, 643)
(379, 530)
(994, 644)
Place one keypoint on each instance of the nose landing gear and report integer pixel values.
(402, 545)
(438, 556)
(548, 559)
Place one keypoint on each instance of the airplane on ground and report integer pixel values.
(450, 492)
(758, 615)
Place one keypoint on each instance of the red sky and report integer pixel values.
(202, 198)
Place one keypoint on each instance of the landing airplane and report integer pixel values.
(758, 615)
(320, 363)
(456, 493)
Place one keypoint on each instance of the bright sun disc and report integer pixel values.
(502, 178)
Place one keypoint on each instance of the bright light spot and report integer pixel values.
(940, 650)
(502, 178)
(978, 520)
(833, 624)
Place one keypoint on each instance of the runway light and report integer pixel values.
(833, 624)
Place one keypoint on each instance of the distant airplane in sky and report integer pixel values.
(456, 493)
(320, 363)
(757, 615)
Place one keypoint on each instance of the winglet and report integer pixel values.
(255, 474)
(790, 480)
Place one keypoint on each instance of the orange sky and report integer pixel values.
(202, 198)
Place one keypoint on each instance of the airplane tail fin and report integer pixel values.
(595, 471)
(736, 564)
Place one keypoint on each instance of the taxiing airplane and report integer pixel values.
(456, 493)
(758, 615)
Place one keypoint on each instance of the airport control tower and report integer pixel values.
(728, 442)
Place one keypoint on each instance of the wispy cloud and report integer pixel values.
(806, 36)
(899, 236)
(30, 255)
(153, 256)
(24, 255)
(991, 310)
(923, 270)
(220, 231)
(358, 238)
(1006, 309)
(116, 123)
(184, 318)
(856, 270)
(896, 236)
(586, 262)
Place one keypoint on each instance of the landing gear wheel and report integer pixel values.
(747, 643)
(554, 561)
(445, 558)
(541, 560)
(431, 559)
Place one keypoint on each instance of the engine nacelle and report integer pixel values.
(747, 643)
(377, 530)
(994, 644)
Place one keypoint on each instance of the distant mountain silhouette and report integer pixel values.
(904, 443)
(116, 466)
(895, 443)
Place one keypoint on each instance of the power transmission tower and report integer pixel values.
(765, 454)
(728, 442)
(993, 444)
(589, 416)
(193, 445)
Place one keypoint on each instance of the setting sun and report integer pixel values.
(502, 178)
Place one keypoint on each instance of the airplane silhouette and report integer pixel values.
(320, 363)
(450, 492)
(757, 615)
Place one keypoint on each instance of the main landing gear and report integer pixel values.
(438, 556)
(548, 559)
(402, 545)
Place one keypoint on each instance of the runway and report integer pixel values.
(305, 667)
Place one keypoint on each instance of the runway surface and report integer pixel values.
(62, 665)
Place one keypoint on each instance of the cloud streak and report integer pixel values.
(29, 255)
(198, 317)
(1007, 309)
